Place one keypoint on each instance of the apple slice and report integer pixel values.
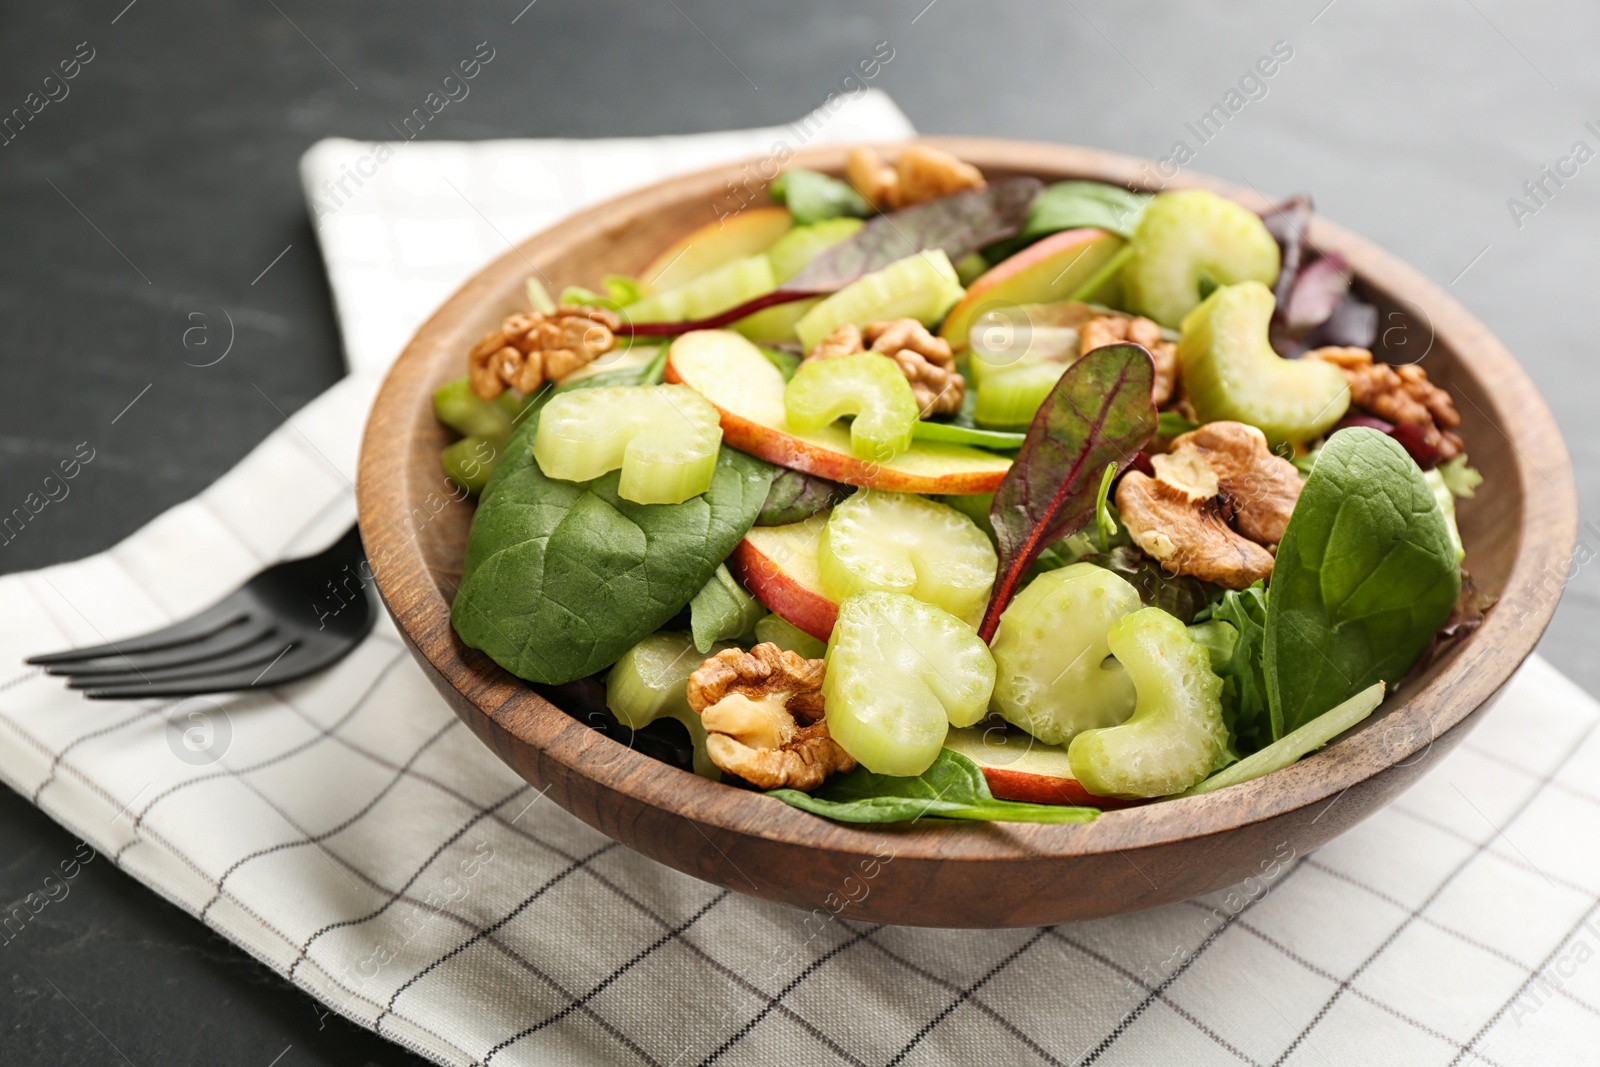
(1053, 269)
(779, 565)
(716, 244)
(1019, 767)
(747, 390)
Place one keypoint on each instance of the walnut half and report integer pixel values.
(924, 359)
(918, 174)
(1105, 330)
(1402, 395)
(531, 348)
(763, 715)
(1217, 505)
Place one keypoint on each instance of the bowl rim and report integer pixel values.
(513, 714)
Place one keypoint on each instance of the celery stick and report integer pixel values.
(1289, 748)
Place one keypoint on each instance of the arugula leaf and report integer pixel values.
(1099, 413)
(1364, 577)
(959, 224)
(796, 496)
(953, 788)
(722, 611)
(812, 196)
(1245, 706)
(561, 578)
(1075, 204)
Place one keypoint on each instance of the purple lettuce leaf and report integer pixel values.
(960, 224)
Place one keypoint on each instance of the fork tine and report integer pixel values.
(297, 663)
(201, 626)
(253, 656)
(238, 635)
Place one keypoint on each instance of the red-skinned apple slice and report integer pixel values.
(1052, 269)
(778, 565)
(747, 390)
(1019, 767)
(716, 244)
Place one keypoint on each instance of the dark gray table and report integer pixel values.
(164, 172)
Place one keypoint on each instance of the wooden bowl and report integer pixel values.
(1519, 533)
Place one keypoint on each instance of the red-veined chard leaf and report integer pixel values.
(1099, 413)
(960, 224)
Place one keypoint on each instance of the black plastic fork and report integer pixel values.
(291, 620)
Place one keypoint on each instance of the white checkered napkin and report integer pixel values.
(350, 833)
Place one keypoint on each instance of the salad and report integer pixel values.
(918, 494)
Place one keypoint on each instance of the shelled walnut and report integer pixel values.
(919, 173)
(1402, 395)
(529, 349)
(763, 715)
(1109, 329)
(1216, 506)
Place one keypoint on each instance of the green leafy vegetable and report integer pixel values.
(1303, 741)
(1074, 204)
(811, 196)
(796, 496)
(722, 611)
(1462, 480)
(1364, 577)
(561, 578)
(1105, 526)
(957, 434)
(1245, 706)
(1099, 413)
(953, 788)
(959, 224)
(1171, 424)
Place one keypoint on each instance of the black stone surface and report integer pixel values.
(166, 175)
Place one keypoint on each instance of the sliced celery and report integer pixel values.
(664, 437)
(867, 386)
(1186, 240)
(922, 286)
(724, 288)
(802, 244)
(1010, 398)
(1176, 732)
(458, 407)
(649, 683)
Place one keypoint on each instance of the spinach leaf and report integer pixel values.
(796, 496)
(1099, 413)
(1071, 205)
(1364, 577)
(722, 611)
(953, 788)
(960, 224)
(561, 578)
(812, 196)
